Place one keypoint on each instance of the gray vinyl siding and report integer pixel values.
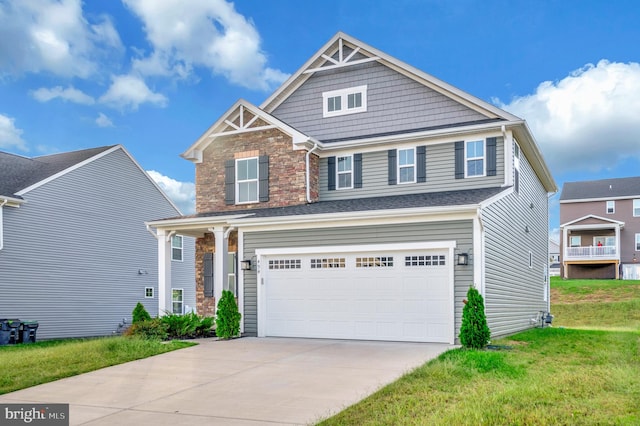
(460, 231)
(73, 250)
(394, 103)
(440, 175)
(513, 291)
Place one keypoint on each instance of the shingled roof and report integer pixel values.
(427, 199)
(18, 173)
(605, 188)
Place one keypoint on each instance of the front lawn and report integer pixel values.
(550, 376)
(26, 365)
(585, 370)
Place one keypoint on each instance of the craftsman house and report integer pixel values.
(75, 254)
(600, 228)
(361, 200)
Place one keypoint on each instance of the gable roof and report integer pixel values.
(323, 60)
(18, 173)
(233, 122)
(593, 220)
(601, 189)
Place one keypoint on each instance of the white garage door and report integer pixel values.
(391, 295)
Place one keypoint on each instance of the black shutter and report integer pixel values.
(491, 156)
(459, 160)
(263, 177)
(331, 173)
(230, 182)
(357, 170)
(421, 164)
(207, 273)
(393, 167)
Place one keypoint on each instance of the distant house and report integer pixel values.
(600, 228)
(75, 254)
(363, 198)
(554, 258)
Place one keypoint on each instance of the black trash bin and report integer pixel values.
(9, 331)
(28, 331)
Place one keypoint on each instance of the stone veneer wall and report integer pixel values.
(207, 305)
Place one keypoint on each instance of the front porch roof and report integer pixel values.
(431, 203)
(606, 223)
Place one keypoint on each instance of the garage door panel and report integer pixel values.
(376, 302)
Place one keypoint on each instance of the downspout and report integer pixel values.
(2, 225)
(308, 172)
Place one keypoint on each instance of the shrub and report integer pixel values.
(152, 328)
(227, 316)
(180, 326)
(140, 314)
(204, 328)
(474, 331)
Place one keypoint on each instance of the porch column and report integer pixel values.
(618, 252)
(164, 271)
(564, 243)
(220, 262)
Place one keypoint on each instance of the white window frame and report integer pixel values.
(611, 205)
(177, 249)
(406, 166)
(579, 237)
(467, 159)
(603, 239)
(231, 272)
(637, 246)
(181, 301)
(636, 207)
(516, 155)
(255, 181)
(343, 96)
(344, 172)
(146, 293)
(530, 260)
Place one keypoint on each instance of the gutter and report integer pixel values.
(307, 176)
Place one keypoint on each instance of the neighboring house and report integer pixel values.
(75, 254)
(364, 198)
(600, 228)
(554, 258)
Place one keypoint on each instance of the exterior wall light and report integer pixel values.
(463, 259)
(245, 265)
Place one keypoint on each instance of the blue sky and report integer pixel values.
(153, 75)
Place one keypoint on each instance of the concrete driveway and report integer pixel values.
(245, 381)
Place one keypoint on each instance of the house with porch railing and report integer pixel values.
(600, 229)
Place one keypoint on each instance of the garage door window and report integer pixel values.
(337, 262)
(284, 264)
(374, 262)
(424, 261)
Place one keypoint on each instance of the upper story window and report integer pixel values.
(474, 158)
(611, 207)
(176, 248)
(344, 101)
(575, 241)
(247, 180)
(345, 172)
(407, 165)
(636, 207)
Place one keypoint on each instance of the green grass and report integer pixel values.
(28, 365)
(596, 304)
(574, 373)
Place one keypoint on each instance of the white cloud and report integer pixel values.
(203, 33)
(69, 94)
(53, 36)
(103, 120)
(128, 91)
(10, 135)
(589, 119)
(183, 194)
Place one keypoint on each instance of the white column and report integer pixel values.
(220, 263)
(164, 272)
(618, 242)
(564, 244)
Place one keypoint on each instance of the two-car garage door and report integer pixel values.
(383, 295)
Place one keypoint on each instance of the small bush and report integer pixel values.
(474, 331)
(227, 316)
(140, 314)
(187, 326)
(152, 328)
